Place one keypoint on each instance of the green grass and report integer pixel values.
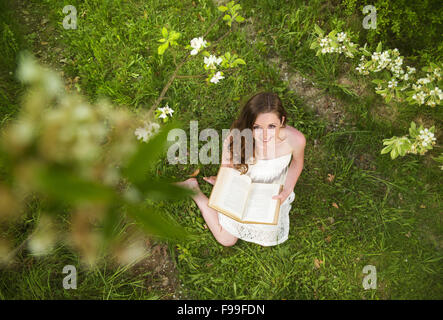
(380, 219)
(42, 278)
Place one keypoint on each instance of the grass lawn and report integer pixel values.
(353, 206)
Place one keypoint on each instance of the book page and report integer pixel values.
(260, 206)
(230, 192)
(235, 195)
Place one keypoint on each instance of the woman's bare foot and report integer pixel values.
(192, 184)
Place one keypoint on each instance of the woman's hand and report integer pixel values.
(210, 179)
(282, 196)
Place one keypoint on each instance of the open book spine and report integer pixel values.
(215, 207)
(276, 213)
(226, 213)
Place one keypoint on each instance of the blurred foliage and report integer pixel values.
(84, 160)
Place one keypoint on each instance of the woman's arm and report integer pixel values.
(298, 142)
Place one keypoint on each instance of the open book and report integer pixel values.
(236, 196)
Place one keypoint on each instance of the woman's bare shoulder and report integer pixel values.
(295, 138)
(294, 135)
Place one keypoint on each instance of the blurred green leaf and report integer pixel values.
(157, 189)
(67, 186)
(147, 153)
(156, 223)
(112, 222)
(162, 48)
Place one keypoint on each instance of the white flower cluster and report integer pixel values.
(361, 67)
(424, 140)
(424, 92)
(340, 44)
(197, 44)
(210, 62)
(401, 79)
(426, 137)
(218, 76)
(420, 96)
(164, 112)
(144, 133)
(389, 60)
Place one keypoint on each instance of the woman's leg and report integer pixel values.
(210, 215)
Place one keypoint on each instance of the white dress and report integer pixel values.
(264, 171)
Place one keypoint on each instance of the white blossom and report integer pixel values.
(144, 133)
(423, 81)
(216, 77)
(168, 110)
(196, 44)
(211, 61)
(392, 83)
(341, 37)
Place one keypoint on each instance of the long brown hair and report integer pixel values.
(262, 102)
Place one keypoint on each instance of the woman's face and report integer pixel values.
(266, 127)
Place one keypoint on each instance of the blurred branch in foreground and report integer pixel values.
(83, 164)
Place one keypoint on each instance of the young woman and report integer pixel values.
(278, 152)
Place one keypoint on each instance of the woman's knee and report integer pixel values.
(228, 242)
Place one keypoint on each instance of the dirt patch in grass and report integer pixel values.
(328, 107)
(163, 277)
(44, 38)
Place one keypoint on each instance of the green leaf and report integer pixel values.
(155, 222)
(111, 222)
(394, 153)
(413, 130)
(332, 33)
(157, 189)
(144, 157)
(239, 61)
(164, 32)
(386, 149)
(63, 185)
(222, 8)
(174, 35)
(318, 30)
(398, 148)
(209, 290)
(239, 19)
(378, 47)
(227, 17)
(390, 140)
(162, 48)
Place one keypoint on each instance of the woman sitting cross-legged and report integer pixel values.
(278, 152)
